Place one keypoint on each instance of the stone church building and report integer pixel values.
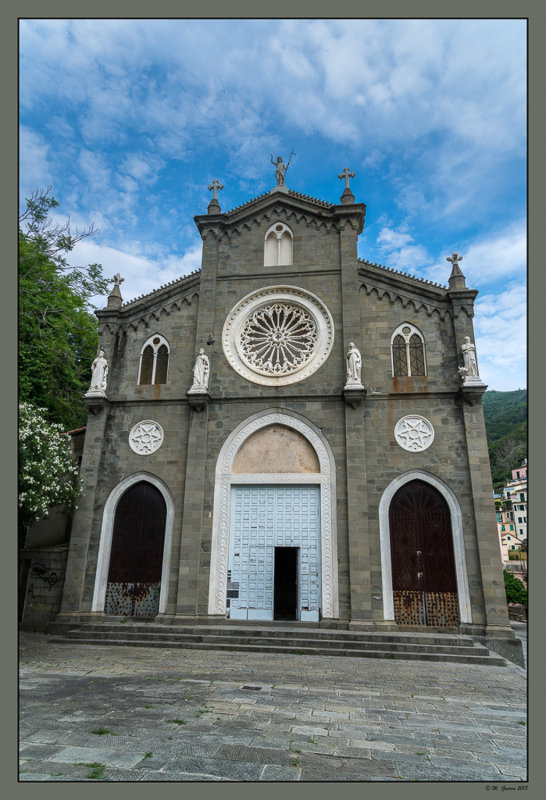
(290, 433)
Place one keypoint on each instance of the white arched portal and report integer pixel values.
(105, 546)
(463, 592)
(225, 478)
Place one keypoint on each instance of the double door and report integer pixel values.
(423, 564)
(274, 553)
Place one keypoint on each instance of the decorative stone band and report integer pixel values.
(278, 335)
(414, 433)
(146, 437)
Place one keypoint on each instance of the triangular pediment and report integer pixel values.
(279, 198)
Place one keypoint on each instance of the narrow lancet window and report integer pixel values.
(408, 352)
(278, 245)
(154, 361)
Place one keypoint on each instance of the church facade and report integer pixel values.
(288, 433)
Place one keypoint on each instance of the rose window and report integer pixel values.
(278, 338)
(278, 335)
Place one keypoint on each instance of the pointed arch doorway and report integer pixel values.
(135, 549)
(134, 574)
(423, 563)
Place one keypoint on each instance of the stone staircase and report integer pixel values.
(279, 637)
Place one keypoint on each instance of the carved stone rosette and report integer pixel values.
(414, 433)
(146, 437)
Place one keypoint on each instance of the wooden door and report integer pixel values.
(134, 577)
(423, 564)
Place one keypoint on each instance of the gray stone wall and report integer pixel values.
(45, 570)
(362, 441)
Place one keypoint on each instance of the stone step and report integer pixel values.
(257, 631)
(229, 639)
(482, 657)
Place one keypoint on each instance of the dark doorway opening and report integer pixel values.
(286, 583)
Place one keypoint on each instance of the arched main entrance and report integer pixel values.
(134, 551)
(273, 527)
(421, 531)
(423, 566)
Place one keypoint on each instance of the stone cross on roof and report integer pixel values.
(456, 279)
(454, 258)
(114, 298)
(214, 187)
(117, 279)
(346, 174)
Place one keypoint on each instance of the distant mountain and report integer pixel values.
(506, 426)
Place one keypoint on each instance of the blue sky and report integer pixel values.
(130, 120)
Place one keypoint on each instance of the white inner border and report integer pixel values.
(282, 294)
(107, 530)
(225, 478)
(463, 592)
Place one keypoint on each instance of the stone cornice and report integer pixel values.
(396, 277)
(150, 309)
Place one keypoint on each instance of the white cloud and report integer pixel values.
(399, 252)
(141, 273)
(34, 166)
(501, 339)
(495, 257)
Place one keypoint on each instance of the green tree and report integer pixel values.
(57, 330)
(515, 590)
(48, 475)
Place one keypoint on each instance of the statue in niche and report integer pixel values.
(201, 372)
(99, 373)
(354, 365)
(470, 369)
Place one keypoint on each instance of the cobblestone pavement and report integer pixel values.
(91, 712)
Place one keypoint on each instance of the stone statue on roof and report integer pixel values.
(281, 168)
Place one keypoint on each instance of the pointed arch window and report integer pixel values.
(154, 360)
(408, 351)
(278, 245)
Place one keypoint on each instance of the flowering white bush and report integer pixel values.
(48, 475)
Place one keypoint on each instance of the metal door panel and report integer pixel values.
(262, 518)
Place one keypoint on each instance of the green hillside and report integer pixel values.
(506, 425)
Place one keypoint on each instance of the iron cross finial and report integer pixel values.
(214, 187)
(346, 174)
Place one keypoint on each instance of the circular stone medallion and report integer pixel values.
(146, 437)
(414, 433)
(278, 335)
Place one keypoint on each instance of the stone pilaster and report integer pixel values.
(351, 222)
(84, 518)
(192, 519)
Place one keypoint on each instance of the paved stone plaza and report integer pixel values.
(94, 712)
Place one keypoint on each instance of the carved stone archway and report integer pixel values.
(225, 477)
(107, 529)
(463, 591)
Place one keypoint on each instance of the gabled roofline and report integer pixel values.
(167, 287)
(411, 279)
(217, 220)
